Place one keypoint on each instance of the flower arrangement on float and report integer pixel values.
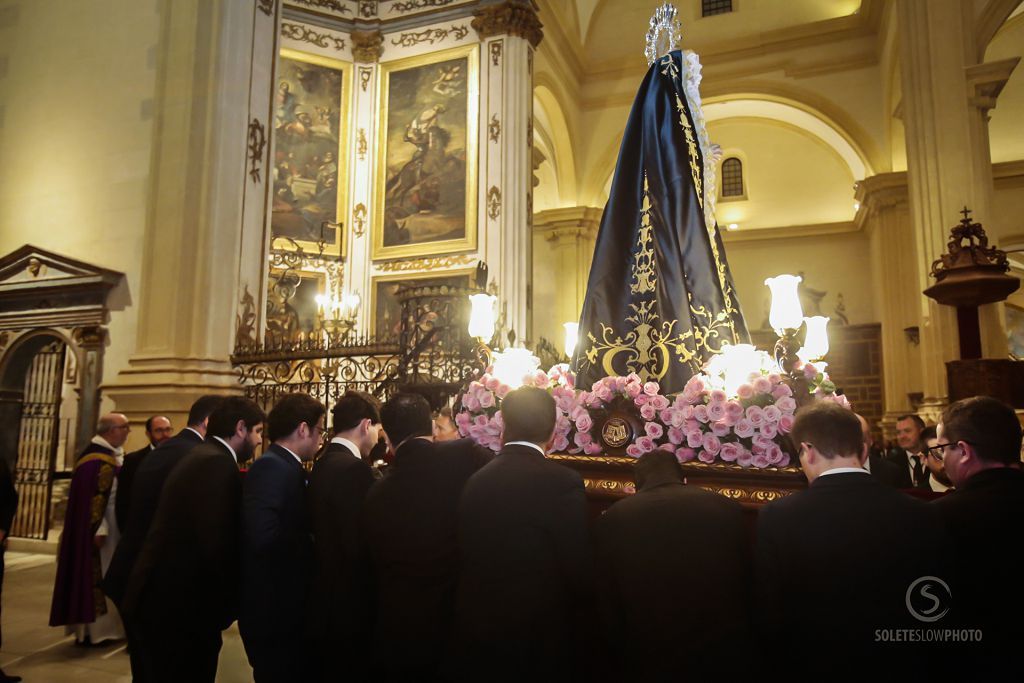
(738, 410)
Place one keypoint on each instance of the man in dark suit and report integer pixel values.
(525, 573)
(411, 523)
(277, 550)
(145, 496)
(908, 456)
(654, 551)
(834, 562)
(184, 588)
(339, 604)
(158, 430)
(880, 467)
(8, 506)
(979, 441)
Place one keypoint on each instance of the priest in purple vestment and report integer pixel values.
(89, 538)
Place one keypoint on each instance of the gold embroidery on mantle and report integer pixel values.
(644, 277)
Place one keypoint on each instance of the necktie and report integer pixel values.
(919, 472)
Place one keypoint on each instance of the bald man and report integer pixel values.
(89, 538)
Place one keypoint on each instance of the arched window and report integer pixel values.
(710, 8)
(732, 177)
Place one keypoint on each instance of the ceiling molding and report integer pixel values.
(789, 232)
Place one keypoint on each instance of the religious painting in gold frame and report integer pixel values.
(385, 311)
(1015, 330)
(311, 111)
(426, 182)
(292, 308)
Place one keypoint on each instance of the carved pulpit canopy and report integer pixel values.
(39, 288)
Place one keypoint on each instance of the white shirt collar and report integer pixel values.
(196, 433)
(230, 449)
(844, 470)
(292, 452)
(100, 441)
(348, 444)
(526, 443)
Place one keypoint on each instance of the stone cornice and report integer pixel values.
(510, 17)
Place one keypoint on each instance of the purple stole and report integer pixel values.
(77, 596)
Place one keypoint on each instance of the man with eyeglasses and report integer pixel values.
(938, 480)
(833, 562)
(277, 549)
(979, 441)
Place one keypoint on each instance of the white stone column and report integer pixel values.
(948, 163)
(509, 32)
(193, 243)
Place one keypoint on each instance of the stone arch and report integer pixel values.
(559, 137)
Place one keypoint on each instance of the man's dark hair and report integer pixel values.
(529, 415)
(928, 433)
(911, 416)
(149, 422)
(202, 408)
(989, 425)
(405, 416)
(833, 430)
(290, 411)
(225, 418)
(657, 466)
(352, 408)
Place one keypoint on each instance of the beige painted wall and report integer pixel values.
(1005, 139)
(75, 131)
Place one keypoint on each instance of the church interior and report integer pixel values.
(252, 197)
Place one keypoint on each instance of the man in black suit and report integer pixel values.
(184, 588)
(908, 456)
(158, 430)
(834, 562)
(657, 552)
(526, 565)
(880, 467)
(8, 506)
(339, 604)
(277, 550)
(979, 440)
(146, 487)
(411, 522)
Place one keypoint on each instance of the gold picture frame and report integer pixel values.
(301, 175)
(292, 307)
(383, 301)
(419, 210)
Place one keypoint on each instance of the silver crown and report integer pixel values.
(664, 20)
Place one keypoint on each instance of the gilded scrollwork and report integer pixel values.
(308, 35)
(494, 202)
(430, 35)
(426, 264)
(333, 5)
(361, 144)
(494, 128)
(365, 73)
(496, 52)
(410, 5)
(359, 219)
(257, 142)
(367, 8)
(245, 321)
(266, 6)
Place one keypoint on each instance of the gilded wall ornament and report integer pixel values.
(365, 73)
(512, 17)
(308, 35)
(359, 219)
(89, 335)
(496, 52)
(361, 145)
(245, 321)
(410, 5)
(367, 8)
(494, 128)
(430, 35)
(333, 5)
(266, 6)
(425, 264)
(494, 202)
(257, 141)
(367, 46)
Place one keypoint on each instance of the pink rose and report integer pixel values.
(481, 420)
(706, 457)
(487, 400)
(502, 390)
(634, 389)
(471, 403)
(666, 416)
(641, 400)
(744, 458)
(654, 430)
(685, 454)
(774, 378)
(651, 388)
(743, 428)
(787, 405)
(744, 391)
(633, 378)
(716, 411)
(492, 383)
(762, 385)
(785, 460)
(645, 443)
(772, 414)
(720, 429)
(700, 412)
(760, 443)
(810, 372)
(734, 410)
(561, 443)
(760, 461)
(592, 448)
(730, 451)
(756, 415)
(686, 412)
(648, 412)
(634, 450)
(660, 402)
(581, 439)
(675, 435)
(774, 454)
(769, 430)
(584, 422)
(603, 393)
(712, 444)
(781, 390)
(694, 439)
(717, 396)
(694, 385)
